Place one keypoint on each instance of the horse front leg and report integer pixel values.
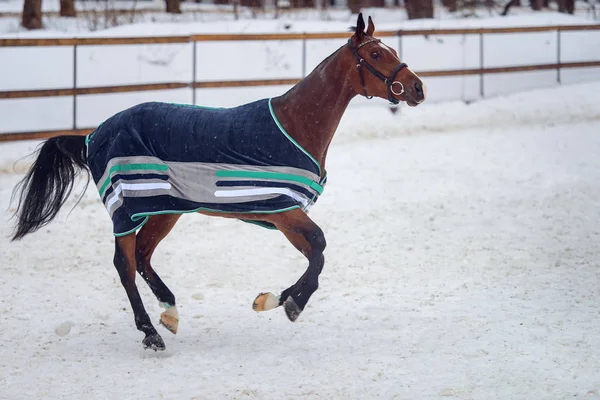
(309, 239)
(125, 264)
(295, 298)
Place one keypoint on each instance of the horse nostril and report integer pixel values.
(419, 87)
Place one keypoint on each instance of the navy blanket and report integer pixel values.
(157, 158)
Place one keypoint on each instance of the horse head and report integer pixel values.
(385, 76)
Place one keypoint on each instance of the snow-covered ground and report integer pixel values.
(462, 258)
(462, 263)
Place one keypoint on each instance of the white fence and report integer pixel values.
(35, 68)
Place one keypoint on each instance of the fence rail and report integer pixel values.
(82, 91)
(39, 93)
(13, 137)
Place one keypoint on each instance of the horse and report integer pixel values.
(261, 162)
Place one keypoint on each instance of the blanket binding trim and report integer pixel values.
(291, 139)
(132, 230)
(147, 215)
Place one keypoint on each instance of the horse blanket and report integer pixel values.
(163, 158)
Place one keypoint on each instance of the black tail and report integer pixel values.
(49, 182)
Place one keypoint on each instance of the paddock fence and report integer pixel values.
(76, 90)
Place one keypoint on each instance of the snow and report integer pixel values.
(462, 258)
(462, 262)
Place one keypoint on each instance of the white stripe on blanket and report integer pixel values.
(134, 187)
(261, 191)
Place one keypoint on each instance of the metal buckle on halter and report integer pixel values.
(401, 85)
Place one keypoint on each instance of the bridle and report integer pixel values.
(388, 81)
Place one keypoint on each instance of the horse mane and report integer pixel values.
(353, 29)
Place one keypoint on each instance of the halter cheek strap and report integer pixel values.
(389, 81)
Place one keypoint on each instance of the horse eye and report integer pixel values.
(375, 55)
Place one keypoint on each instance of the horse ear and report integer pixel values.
(360, 26)
(371, 27)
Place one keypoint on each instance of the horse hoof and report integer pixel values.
(170, 320)
(153, 342)
(265, 302)
(291, 309)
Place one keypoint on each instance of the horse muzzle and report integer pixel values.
(413, 95)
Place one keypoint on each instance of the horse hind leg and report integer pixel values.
(148, 238)
(125, 264)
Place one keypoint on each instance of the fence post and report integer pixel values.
(194, 72)
(304, 55)
(558, 55)
(74, 86)
(399, 45)
(481, 91)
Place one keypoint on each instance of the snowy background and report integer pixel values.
(462, 260)
(218, 60)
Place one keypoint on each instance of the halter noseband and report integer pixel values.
(388, 81)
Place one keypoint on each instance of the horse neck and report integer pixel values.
(311, 111)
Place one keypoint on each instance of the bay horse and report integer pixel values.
(261, 162)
